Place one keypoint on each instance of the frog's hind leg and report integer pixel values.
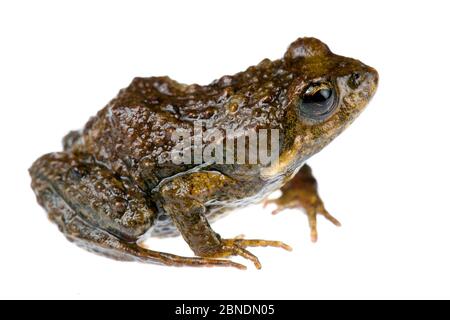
(99, 212)
(100, 242)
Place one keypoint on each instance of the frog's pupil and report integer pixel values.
(317, 103)
(319, 96)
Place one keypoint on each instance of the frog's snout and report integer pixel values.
(371, 81)
(364, 81)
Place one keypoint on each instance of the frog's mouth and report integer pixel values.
(287, 164)
(303, 147)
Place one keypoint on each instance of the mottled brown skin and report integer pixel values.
(114, 184)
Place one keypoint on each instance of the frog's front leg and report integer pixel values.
(302, 192)
(99, 211)
(185, 198)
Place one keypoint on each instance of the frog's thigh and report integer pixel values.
(93, 193)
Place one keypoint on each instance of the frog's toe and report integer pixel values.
(329, 217)
(237, 247)
(281, 204)
(260, 243)
(312, 212)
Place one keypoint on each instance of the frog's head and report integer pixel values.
(326, 93)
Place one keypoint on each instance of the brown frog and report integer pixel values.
(116, 183)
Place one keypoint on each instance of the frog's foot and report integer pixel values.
(312, 205)
(301, 192)
(105, 244)
(237, 247)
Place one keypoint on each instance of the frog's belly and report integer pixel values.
(164, 226)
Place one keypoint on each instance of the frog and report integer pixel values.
(115, 184)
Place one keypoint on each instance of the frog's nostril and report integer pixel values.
(355, 80)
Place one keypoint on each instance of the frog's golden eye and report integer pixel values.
(318, 101)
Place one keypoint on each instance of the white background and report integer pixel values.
(386, 178)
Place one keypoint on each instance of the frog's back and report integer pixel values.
(134, 131)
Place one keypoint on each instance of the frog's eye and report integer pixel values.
(318, 101)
